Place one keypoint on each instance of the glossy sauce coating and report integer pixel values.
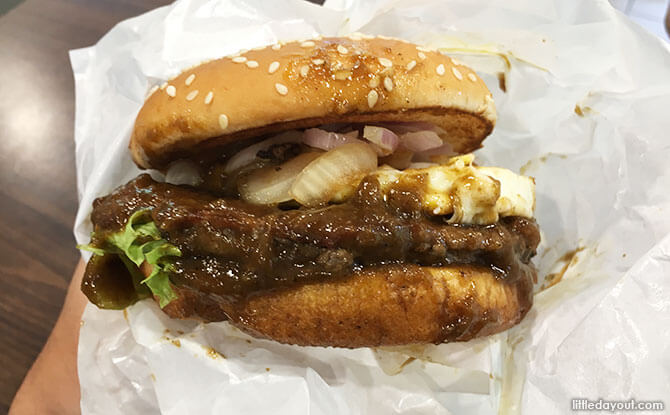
(233, 249)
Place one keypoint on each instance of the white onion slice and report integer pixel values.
(334, 175)
(420, 141)
(248, 154)
(271, 184)
(327, 140)
(183, 172)
(385, 140)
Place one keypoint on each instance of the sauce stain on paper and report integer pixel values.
(530, 164)
(406, 362)
(568, 259)
(502, 82)
(213, 353)
(583, 111)
(175, 342)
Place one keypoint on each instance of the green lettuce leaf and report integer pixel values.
(140, 241)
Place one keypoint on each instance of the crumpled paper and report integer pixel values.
(584, 111)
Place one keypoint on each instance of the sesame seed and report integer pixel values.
(411, 65)
(421, 55)
(304, 70)
(273, 67)
(189, 80)
(209, 97)
(374, 82)
(239, 59)
(223, 121)
(388, 84)
(342, 75)
(342, 50)
(259, 48)
(281, 88)
(440, 69)
(457, 73)
(307, 44)
(373, 96)
(472, 77)
(276, 46)
(456, 61)
(163, 85)
(252, 64)
(317, 61)
(152, 90)
(171, 91)
(422, 49)
(191, 95)
(385, 62)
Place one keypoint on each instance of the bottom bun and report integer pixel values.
(382, 306)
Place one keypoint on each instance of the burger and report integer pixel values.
(320, 193)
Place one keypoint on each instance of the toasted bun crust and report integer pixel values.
(384, 306)
(305, 84)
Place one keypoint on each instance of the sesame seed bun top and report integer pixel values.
(308, 83)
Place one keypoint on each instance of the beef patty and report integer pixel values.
(232, 249)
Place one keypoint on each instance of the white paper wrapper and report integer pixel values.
(602, 189)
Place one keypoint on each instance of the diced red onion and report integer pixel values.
(326, 140)
(385, 140)
(420, 141)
